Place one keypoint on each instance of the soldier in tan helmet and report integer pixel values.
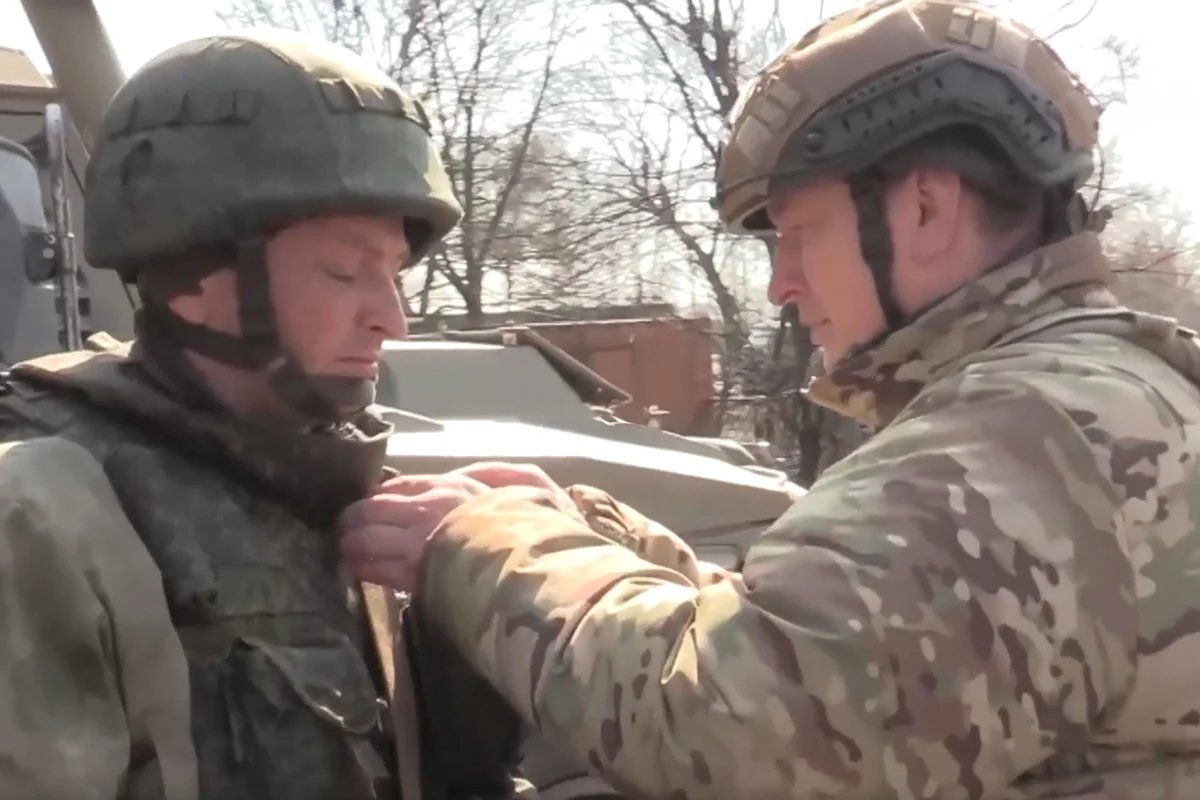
(995, 596)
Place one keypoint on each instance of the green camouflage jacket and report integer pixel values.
(174, 624)
(992, 598)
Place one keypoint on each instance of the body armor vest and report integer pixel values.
(285, 695)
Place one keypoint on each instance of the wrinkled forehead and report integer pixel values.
(375, 237)
(818, 196)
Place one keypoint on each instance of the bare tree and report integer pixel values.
(675, 70)
(1155, 259)
(489, 73)
(1153, 255)
(567, 238)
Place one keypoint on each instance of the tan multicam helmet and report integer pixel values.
(876, 78)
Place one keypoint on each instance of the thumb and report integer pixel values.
(497, 473)
(412, 485)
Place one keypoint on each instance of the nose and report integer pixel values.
(786, 280)
(386, 313)
(775, 288)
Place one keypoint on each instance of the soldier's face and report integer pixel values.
(819, 265)
(819, 268)
(334, 285)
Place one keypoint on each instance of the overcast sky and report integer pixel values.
(1159, 128)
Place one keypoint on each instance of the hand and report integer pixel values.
(383, 536)
(498, 473)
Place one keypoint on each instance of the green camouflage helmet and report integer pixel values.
(223, 138)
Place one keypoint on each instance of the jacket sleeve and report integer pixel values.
(941, 612)
(82, 619)
(633, 530)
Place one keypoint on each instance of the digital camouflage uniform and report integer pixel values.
(174, 624)
(992, 598)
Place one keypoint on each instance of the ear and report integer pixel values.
(209, 302)
(938, 197)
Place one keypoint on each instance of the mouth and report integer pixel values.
(359, 367)
(814, 324)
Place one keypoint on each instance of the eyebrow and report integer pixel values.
(790, 212)
(782, 209)
(370, 250)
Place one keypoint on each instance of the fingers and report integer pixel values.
(383, 536)
(402, 510)
(469, 481)
(419, 484)
(472, 479)
(498, 473)
(399, 575)
(383, 554)
(381, 542)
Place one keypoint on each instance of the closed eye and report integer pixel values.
(340, 277)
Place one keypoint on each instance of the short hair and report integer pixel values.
(181, 274)
(1009, 200)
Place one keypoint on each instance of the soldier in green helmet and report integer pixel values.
(175, 622)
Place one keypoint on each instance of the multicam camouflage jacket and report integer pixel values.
(992, 598)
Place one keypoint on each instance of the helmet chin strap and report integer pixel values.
(875, 240)
(320, 398)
